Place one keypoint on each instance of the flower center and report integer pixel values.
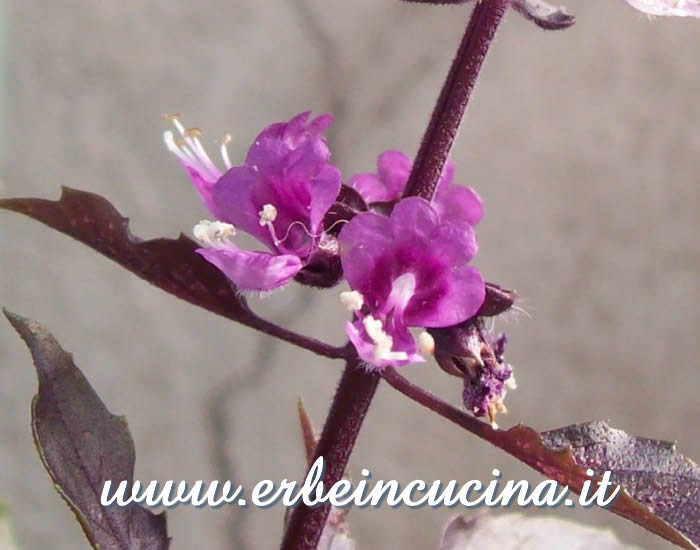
(402, 290)
(382, 341)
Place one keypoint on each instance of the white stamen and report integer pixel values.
(511, 383)
(224, 151)
(382, 341)
(214, 233)
(374, 329)
(268, 214)
(352, 300)
(190, 151)
(426, 343)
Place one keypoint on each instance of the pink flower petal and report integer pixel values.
(253, 270)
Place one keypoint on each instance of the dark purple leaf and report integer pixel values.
(82, 445)
(521, 532)
(652, 472)
(556, 461)
(544, 15)
(553, 454)
(170, 264)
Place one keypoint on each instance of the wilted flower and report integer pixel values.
(454, 203)
(280, 196)
(407, 270)
(682, 8)
(468, 350)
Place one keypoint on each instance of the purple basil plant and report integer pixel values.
(402, 238)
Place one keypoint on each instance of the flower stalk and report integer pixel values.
(358, 385)
(454, 97)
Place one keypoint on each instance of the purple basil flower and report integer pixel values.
(279, 196)
(407, 270)
(454, 203)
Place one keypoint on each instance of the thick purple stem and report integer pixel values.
(454, 97)
(350, 404)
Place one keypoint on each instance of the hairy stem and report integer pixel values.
(431, 401)
(454, 97)
(305, 342)
(350, 404)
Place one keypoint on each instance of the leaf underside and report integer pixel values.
(82, 445)
(170, 264)
(660, 487)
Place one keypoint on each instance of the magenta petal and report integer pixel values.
(295, 144)
(414, 216)
(369, 187)
(462, 299)
(365, 347)
(457, 242)
(358, 337)
(393, 168)
(458, 204)
(253, 270)
(270, 149)
(233, 203)
(388, 183)
(362, 242)
(203, 185)
(324, 190)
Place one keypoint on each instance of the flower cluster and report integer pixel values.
(406, 260)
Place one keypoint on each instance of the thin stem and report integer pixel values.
(310, 344)
(350, 404)
(431, 401)
(454, 97)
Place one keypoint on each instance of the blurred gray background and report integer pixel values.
(584, 145)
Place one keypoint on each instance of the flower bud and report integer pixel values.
(498, 300)
(347, 204)
(323, 269)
